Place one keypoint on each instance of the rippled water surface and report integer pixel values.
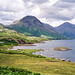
(49, 52)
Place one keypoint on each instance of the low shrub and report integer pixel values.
(15, 71)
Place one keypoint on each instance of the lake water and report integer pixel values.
(49, 52)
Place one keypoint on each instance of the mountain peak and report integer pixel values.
(67, 29)
(1, 24)
(28, 18)
(66, 24)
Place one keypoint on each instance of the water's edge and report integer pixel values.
(49, 52)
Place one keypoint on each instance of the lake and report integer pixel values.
(49, 52)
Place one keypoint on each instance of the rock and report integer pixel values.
(69, 60)
(63, 59)
(61, 49)
(57, 58)
(18, 50)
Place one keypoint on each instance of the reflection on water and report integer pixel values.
(49, 52)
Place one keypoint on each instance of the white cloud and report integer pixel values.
(71, 1)
(11, 10)
(53, 12)
(72, 21)
(52, 2)
(11, 5)
(36, 11)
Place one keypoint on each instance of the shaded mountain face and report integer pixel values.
(49, 26)
(31, 26)
(1, 24)
(67, 29)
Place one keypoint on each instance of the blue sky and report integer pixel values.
(53, 12)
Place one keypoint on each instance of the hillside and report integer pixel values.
(11, 37)
(67, 29)
(31, 26)
(1, 24)
(51, 27)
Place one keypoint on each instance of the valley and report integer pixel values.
(26, 32)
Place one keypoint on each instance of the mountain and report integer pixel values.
(31, 26)
(49, 26)
(67, 29)
(1, 24)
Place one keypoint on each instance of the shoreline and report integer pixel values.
(56, 57)
(62, 59)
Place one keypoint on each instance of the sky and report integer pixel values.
(53, 12)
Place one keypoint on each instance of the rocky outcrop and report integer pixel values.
(61, 49)
(19, 41)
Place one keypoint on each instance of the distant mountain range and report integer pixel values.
(67, 29)
(31, 26)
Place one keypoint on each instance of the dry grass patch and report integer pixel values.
(40, 65)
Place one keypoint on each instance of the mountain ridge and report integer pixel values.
(1, 24)
(31, 25)
(67, 29)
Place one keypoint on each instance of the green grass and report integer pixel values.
(28, 53)
(28, 34)
(12, 37)
(24, 59)
(45, 66)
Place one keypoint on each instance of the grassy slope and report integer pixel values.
(11, 34)
(45, 66)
